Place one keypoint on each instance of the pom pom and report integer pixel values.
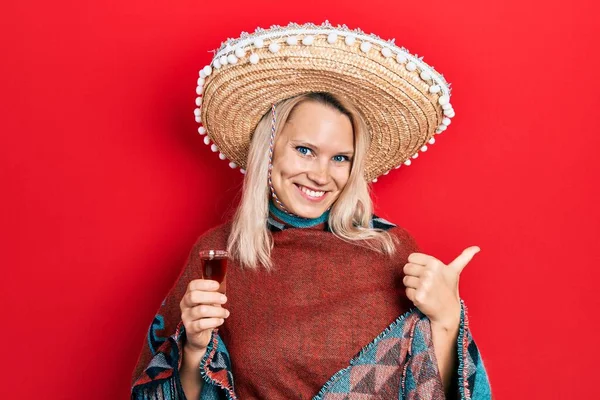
(232, 165)
(386, 52)
(292, 40)
(401, 58)
(374, 180)
(222, 156)
(434, 89)
(411, 66)
(349, 40)
(446, 121)
(232, 59)
(199, 90)
(206, 140)
(431, 141)
(207, 70)
(198, 101)
(240, 52)
(332, 38)
(198, 119)
(197, 112)
(416, 155)
(425, 75)
(407, 162)
(201, 130)
(444, 99)
(365, 47)
(446, 106)
(259, 43)
(217, 64)
(243, 171)
(201, 81)
(214, 148)
(254, 58)
(223, 60)
(274, 47)
(202, 74)
(449, 113)
(424, 148)
(308, 40)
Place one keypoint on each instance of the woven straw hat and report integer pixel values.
(403, 101)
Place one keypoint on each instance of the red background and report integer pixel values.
(106, 183)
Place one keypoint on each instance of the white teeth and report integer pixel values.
(312, 193)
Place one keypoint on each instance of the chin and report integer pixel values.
(309, 212)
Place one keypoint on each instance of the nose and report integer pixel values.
(319, 174)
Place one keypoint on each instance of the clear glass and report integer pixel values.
(214, 266)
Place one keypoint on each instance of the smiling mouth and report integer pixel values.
(311, 194)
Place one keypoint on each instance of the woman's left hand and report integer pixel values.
(433, 286)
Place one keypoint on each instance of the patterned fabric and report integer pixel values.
(399, 363)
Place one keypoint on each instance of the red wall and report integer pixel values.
(106, 184)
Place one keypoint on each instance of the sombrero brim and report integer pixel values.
(397, 104)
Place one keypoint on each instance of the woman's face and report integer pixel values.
(312, 159)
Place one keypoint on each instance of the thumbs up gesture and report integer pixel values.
(432, 286)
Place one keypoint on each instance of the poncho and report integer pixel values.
(330, 321)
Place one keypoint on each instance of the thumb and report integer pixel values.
(464, 258)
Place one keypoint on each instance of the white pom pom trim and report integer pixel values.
(274, 47)
(308, 40)
(240, 52)
(259, 43)
(214, 148)
(232, 165)
(206, 140)
(254, 58)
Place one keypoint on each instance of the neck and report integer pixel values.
(297, 222)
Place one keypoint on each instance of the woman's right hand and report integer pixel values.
(201, 312)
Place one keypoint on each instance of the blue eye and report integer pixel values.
(304, 150)
(341, 158)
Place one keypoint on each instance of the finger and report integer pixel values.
(206, 285)
(413, 269)
(410, 293)
(464, 258)
(205, 311)
(421, 259)
(203, 324)
(411, 282)
(196, 297)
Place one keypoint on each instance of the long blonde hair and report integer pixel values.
(250, 241)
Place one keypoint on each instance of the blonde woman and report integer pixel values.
(324, 299)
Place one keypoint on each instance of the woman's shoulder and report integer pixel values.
(401, 234)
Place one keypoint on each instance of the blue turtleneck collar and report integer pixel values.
(297, 222)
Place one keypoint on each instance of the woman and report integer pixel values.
(323, 298)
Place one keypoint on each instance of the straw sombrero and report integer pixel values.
(403, 101)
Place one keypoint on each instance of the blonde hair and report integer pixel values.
(250, 241)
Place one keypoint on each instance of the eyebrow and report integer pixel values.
(312, 146)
